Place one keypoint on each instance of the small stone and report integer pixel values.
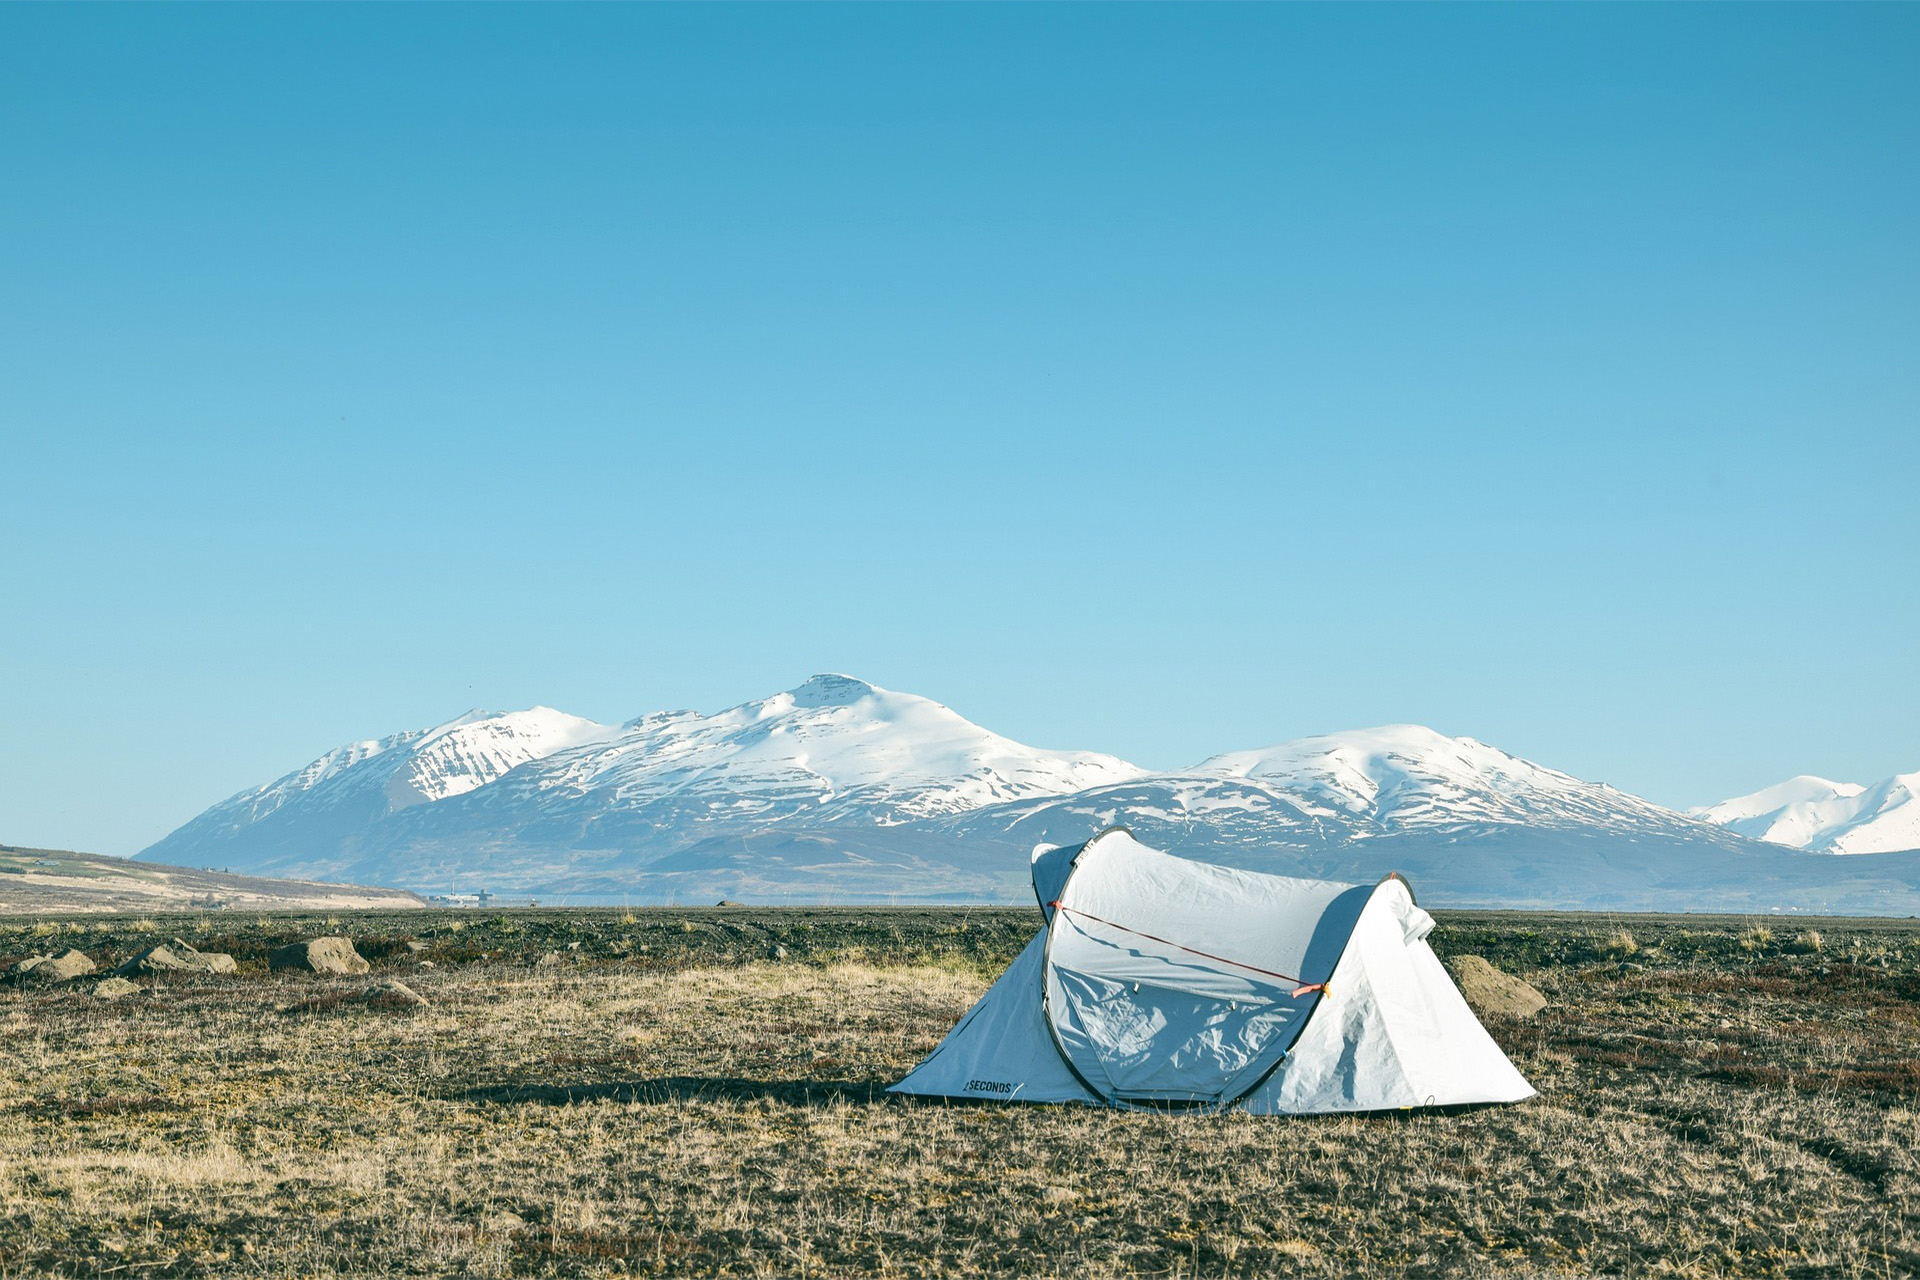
(319, 955)
(393, 995)
(115, 988)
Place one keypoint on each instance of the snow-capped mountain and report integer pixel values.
(1465, 821)
(1828, 817)
(841, 790)
(340, 794)
(832, 751)
(1363, 784)
(1405, 776)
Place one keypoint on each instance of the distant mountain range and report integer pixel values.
(839, 790)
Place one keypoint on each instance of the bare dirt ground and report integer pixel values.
(655, 1093)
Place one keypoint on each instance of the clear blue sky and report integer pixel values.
(1161, 380)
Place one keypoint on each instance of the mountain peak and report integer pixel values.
(1803, 788)
(832, 690)
(332, 797)
(1387, 741)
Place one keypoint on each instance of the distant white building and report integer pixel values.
(479, 899)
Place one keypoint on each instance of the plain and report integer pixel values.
(702, 1092)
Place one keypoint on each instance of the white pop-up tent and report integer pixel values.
(1163, 982)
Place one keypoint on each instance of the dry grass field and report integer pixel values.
(677, 1092)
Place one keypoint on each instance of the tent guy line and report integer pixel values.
(1302, 987)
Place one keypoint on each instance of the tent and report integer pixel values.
(1160, 982)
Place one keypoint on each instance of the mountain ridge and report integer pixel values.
(840, 788)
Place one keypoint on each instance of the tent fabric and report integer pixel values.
(1163, 982)
(1002, 1048)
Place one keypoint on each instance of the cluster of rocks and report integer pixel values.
(174, 956)
(330, 955)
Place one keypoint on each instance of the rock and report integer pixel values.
(64, 967)
(776, 952)
(114, 988)
(1491, 993)
(176, 956)
(393, 995)
(318, 955)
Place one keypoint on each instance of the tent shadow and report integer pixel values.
(664, 1089)
(820, 1093)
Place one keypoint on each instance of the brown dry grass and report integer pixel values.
(665, 1101)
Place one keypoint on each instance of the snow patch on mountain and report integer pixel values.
(455, 758)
